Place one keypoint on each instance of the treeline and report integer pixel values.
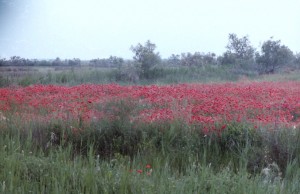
(240, 54)
(18, 61)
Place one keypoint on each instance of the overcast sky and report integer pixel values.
(89, 29)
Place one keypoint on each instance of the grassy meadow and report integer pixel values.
(99, 75)
(104, 141)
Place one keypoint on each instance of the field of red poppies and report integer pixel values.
(241, 136)
(260, 103)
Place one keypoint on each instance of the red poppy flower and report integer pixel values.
(148, 166)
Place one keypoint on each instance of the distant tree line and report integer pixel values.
(239, 54)
(18, 61)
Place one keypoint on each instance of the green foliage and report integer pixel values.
(239, 52)
(145, 58)
(2, 61)
(283, 146)
(4, 81)
(195, 60)
(240, 47)
(111, 62)
(273, 56)
(127, 74)
(297, 59)
(103, 157)
(26, 81)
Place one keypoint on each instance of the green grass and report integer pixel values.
(291, 76)
(158, 75)
(80, 75)
(25, 172)
(105, 157)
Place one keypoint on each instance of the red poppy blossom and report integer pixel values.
(148, 166)
(205, 105)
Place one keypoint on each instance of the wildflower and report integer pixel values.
(139, 171)
(148, 166)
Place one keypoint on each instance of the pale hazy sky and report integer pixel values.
(89, 29)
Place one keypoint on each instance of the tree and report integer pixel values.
(17, 61)
(2, 61)
(297, 59)
(57, 62)
(145, 58)
(239, 51)
(74, 62)
(273, 55)
(189, 60)
(209, 59)
(115, 61)
(174, 60)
